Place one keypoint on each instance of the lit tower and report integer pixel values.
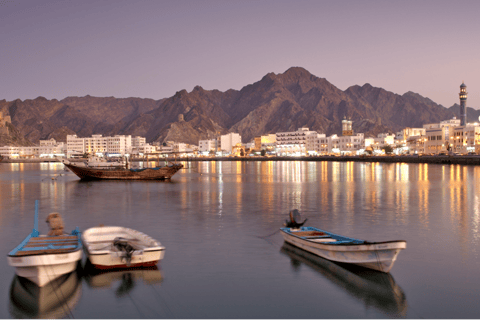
(347, 127)
(463, 104)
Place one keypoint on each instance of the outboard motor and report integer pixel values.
(123, 245)
(295, 218)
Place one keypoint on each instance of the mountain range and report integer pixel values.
(276, 103)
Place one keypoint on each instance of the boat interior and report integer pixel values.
(49, 245)
(104, 240)
(322, 237)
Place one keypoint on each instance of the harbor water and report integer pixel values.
(225, 258)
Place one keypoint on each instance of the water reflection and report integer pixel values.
(374, 289)
(55, 300)
(124, 280)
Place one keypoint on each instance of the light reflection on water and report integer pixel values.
(210, 216)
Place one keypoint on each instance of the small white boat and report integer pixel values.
(110, 247)
(373, 255)
(42, 259)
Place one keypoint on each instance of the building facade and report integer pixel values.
(293, 143)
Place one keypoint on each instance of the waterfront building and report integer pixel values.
(228, 141)
(138, 141)
(466, 138)
(119, 145)
(324, 145)
(382, 140)
(140, 146)
(266, 142)
(313, 144)
(351, 144)
(440, 135)
(416, 144)
(46, 149)
(293, 143)
(403, 135)
(205, 146)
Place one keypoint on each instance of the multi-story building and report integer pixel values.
(266, 142)
(440, 135)
(314, 144)
(465, 139)
(382, 140)
(97, 144)
(46, 149)
(416, 144)
(403, 135)
(289, 143)
(205, 146)
(228, 141)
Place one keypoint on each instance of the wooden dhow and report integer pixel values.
(124, 173)
(373, 255)
(44, 258)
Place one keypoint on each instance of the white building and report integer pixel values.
(205, 146)
(382, 140)
(440, 135)
(403, 135)
(46, 149)
(465, 139)
(315, 143)
(228, 141)
(293, 143)
(99, 145)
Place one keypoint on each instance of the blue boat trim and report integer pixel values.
(35, 232)
(340, 239)
(52, 243)
(49, 247)
(20, 246)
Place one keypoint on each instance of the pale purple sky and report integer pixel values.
(151, 49)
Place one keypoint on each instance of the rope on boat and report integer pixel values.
(269, 235)
(62, 302)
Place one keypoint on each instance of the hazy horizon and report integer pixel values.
(152, 49)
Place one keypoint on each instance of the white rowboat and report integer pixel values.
(373, 255)
(118, 247)
(42, 259)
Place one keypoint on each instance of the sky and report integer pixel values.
(152, 49)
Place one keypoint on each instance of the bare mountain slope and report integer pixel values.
(275, 103)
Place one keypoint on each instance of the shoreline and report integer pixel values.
(443, 159)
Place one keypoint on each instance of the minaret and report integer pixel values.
(347, 127)
(463, 104)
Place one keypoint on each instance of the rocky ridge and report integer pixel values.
(276, 103)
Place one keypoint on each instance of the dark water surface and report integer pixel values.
(210, 218)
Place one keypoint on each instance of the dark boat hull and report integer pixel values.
(159, 173)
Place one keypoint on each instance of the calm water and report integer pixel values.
(211, 219)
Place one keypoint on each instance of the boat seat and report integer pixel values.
(323, 240)
(315, 237)
(55, 238)
(46, 244)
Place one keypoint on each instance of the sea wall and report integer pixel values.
(443, 159)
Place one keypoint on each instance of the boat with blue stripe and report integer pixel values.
(44, 258)
(373, 255)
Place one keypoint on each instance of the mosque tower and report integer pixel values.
(347, 127)
(463, 104)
